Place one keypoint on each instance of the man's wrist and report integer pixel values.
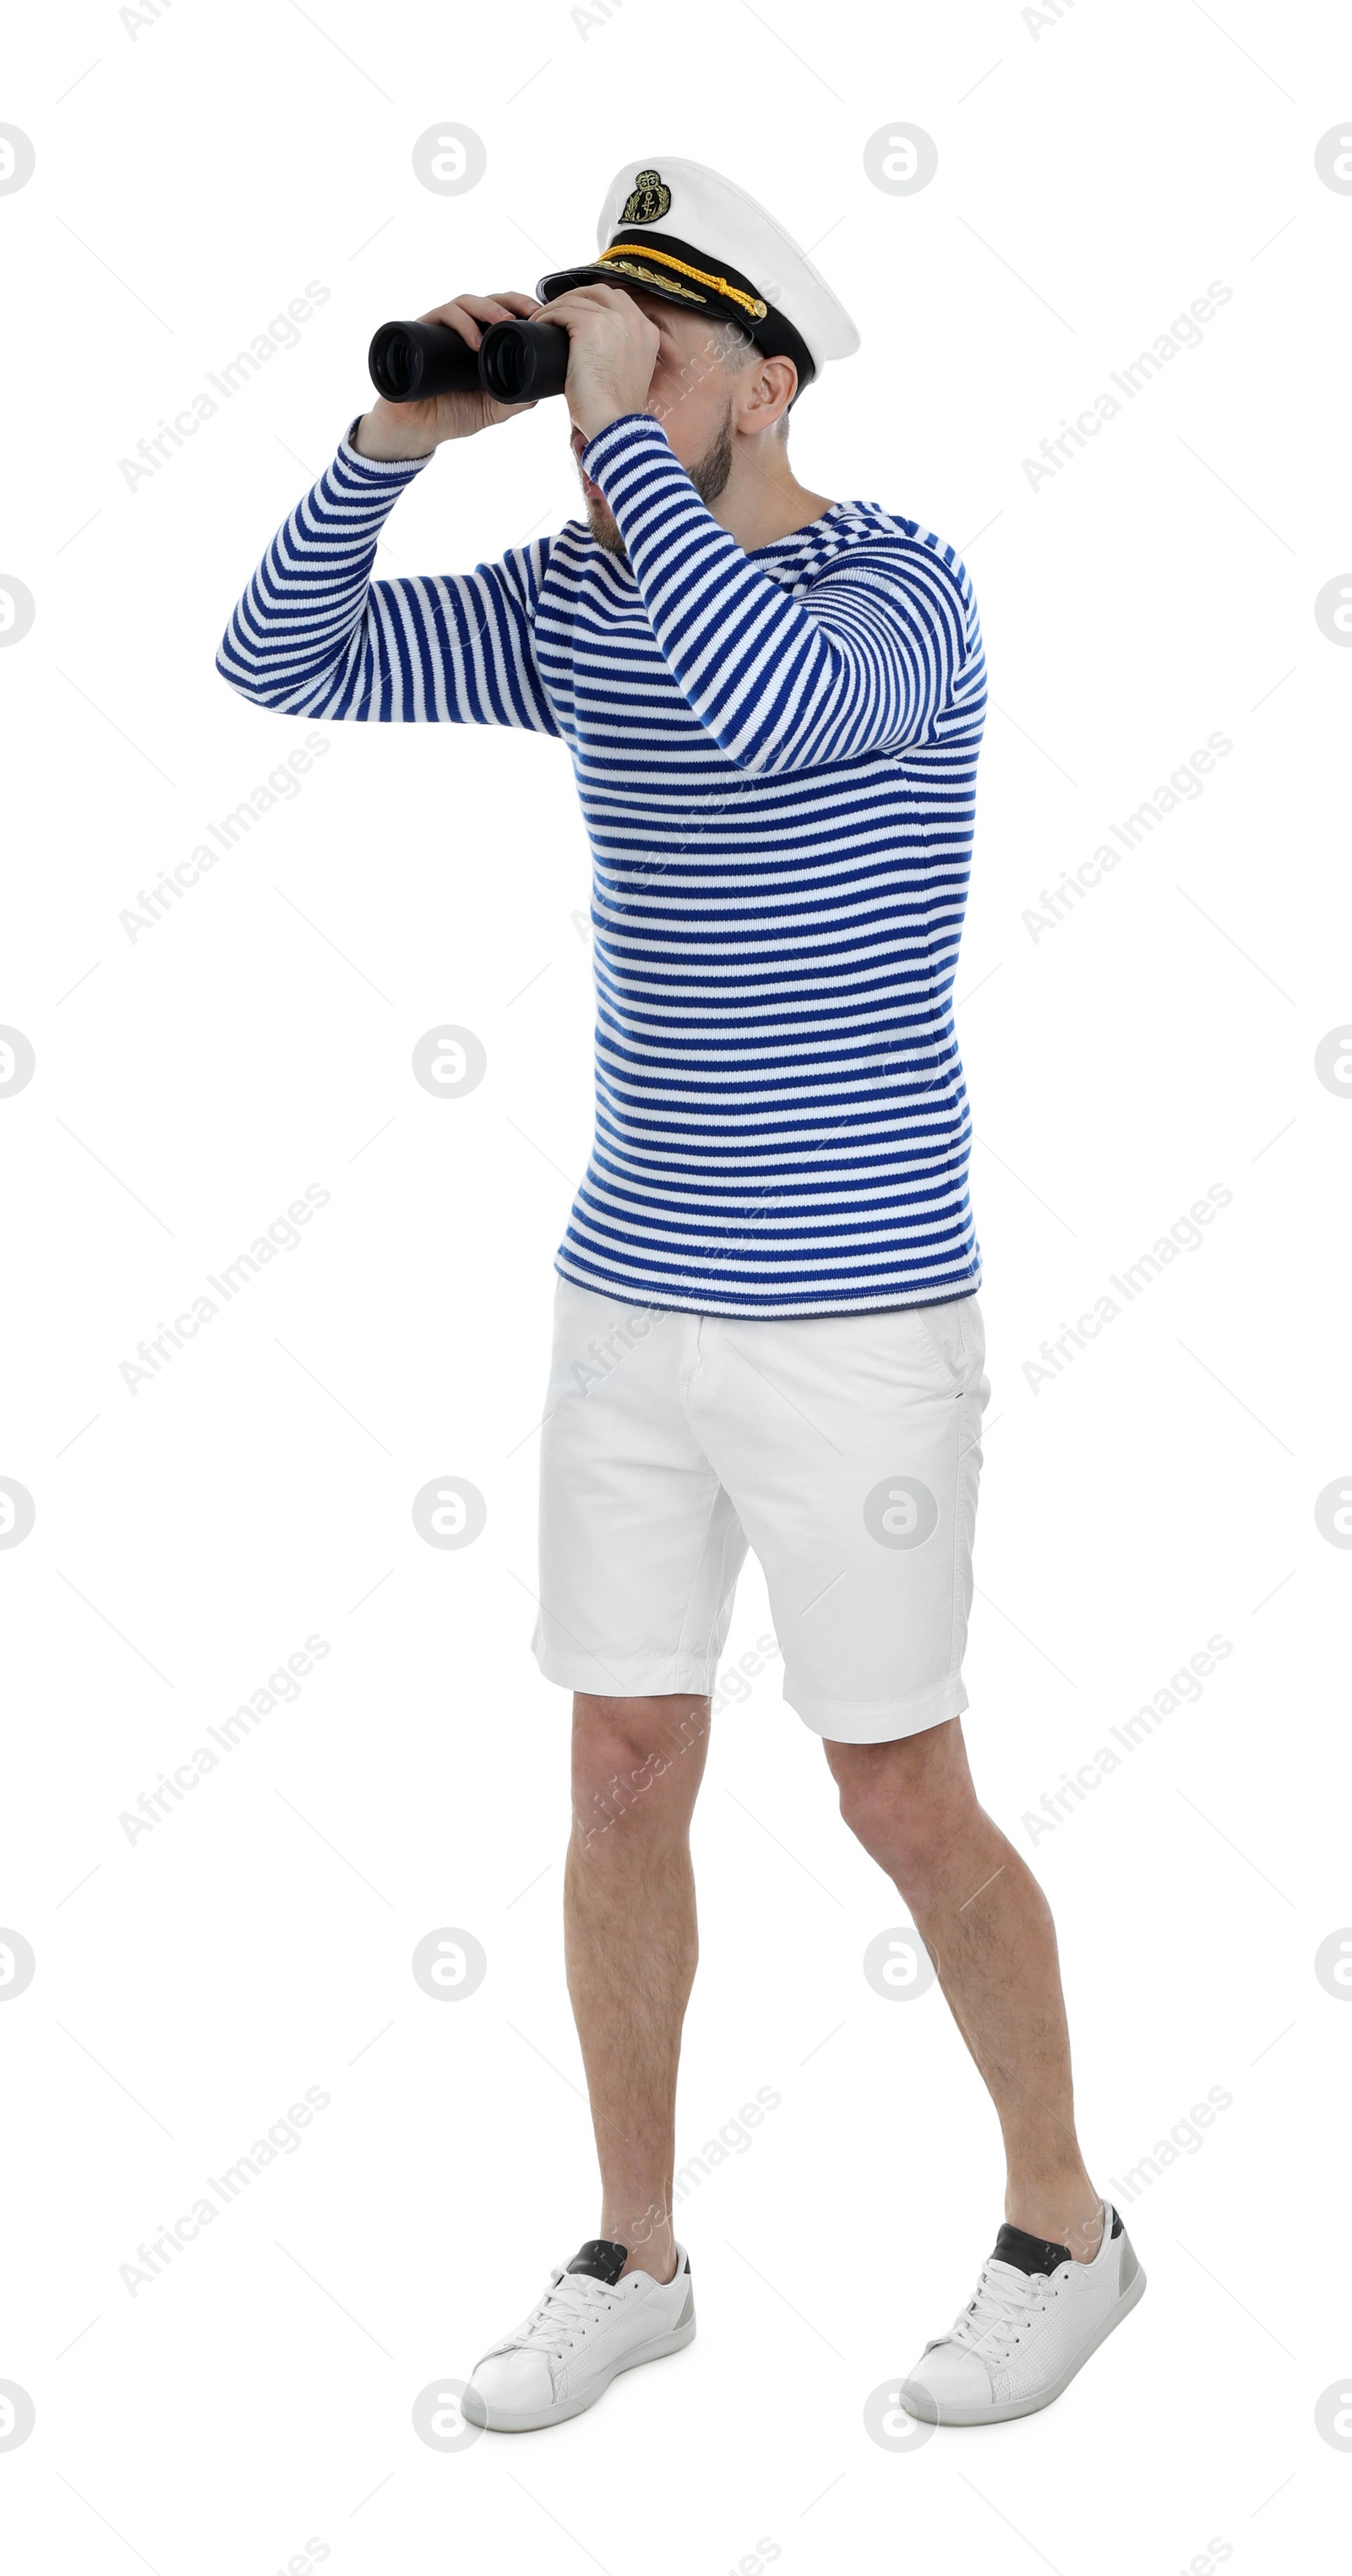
(593, 425)
(382, 445)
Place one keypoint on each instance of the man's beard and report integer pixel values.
(709, 475)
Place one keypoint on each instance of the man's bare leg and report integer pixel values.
(988, 1928)
(631, 1946)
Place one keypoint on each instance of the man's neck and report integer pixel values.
(760, 503)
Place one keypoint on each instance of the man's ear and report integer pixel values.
(767, 389)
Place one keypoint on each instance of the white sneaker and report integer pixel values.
(588, 2326)
(1034, 2322)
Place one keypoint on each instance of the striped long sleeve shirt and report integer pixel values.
(776, 755)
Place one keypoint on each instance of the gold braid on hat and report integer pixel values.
(624, 253)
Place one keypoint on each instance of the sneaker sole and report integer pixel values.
(475, 2410)
(918, 2401)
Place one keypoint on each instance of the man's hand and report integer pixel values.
(402, 430)
(612, 354)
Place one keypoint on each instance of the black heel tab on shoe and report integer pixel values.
(600, 2259)
(1029, 2253)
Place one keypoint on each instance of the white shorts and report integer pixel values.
(844, 1449)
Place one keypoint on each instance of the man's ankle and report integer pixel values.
(1070, 2215)
(651, 2248)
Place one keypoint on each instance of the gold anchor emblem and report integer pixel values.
(648, 200)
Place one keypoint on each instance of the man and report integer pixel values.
(766, 1327)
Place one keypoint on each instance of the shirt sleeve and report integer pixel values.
(868, 664)
(313, 635)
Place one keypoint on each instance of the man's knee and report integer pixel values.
(906, 1802)
(635, 1757)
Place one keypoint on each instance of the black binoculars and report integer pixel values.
(514, 362)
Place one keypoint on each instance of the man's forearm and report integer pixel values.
(294, 640)
(314, 634)
(778, 681)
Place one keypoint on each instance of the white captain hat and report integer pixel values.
(697, 240)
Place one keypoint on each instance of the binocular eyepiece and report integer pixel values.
(514, 362)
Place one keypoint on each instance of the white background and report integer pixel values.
(1095, 174)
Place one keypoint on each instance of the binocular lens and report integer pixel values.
(411, 361)
(505, 362)
(401, 366)
(522, 361)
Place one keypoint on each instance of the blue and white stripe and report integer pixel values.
(776, 757)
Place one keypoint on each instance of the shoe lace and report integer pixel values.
(1005, 2300)
(573, 2302)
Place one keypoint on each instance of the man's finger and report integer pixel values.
(485, 308)
(593, 299)
(476, 309)
(457, 317)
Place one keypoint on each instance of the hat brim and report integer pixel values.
(563, 279)
(776, 337)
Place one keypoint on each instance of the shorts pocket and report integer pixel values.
(953, 1330)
